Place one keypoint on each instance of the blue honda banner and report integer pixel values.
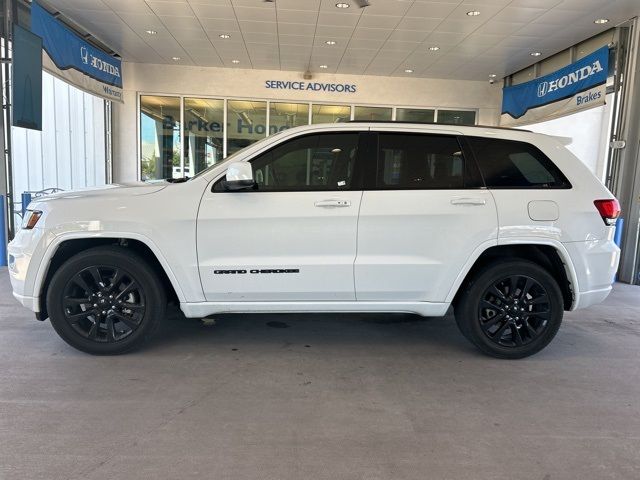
(26, 86)
(73, 58)
(585, 74)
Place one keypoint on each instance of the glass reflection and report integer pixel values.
(203, 134)
(159, 137)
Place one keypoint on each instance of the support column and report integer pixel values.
(625, 162)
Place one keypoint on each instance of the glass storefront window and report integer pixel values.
(457, 117)
(247, 123)
(330, 113)
(287, 115)
(159, 137)
(203, 134)
(420, 115)
(372, 113)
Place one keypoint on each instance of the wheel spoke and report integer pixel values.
(128, 289)
(76, 317)
(532, 331)
(97, 277)
(498, 334)
(492, 321)
(525, 290)
(515, 335)
(513, 285)
(71, 301)
(129, 322)
(115, 280)
(134, 307)
(93, 331)
(78, 280)
(490, 305)
(496, 291)
(541, 299)
(111, 333)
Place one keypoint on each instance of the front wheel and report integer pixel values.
(510, 309)
(105, 301)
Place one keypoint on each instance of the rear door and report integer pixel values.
(424, 212)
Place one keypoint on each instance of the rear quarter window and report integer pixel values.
(513, 164)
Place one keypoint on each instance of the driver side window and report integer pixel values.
(309, 163)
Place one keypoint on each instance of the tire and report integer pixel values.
(507, 319)
(105, 301)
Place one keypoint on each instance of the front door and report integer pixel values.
(293, 238)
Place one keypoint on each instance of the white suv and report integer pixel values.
(506, 226)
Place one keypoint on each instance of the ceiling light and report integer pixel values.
(408, 70)
(342, 5)
(493, 75)
(434, 48)
(151, 32)
(324, 66)
(600, 21)
(473, 13)
(175, 59)
(224, 35)
(330, 42)
(235, 61)
(535, 54)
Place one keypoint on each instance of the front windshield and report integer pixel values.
(233, 155)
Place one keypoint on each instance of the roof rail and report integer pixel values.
(439, 123)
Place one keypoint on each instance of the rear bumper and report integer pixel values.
(595, 263)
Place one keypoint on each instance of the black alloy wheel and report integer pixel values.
(514, 311)
(510, 308)
(105, 300)
(104, 303)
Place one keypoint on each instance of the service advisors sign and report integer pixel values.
(578, 86)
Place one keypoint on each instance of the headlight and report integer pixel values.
(30, 219)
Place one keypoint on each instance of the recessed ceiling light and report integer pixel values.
(473, 13)
(224, 35)
(175, 59)
(493, 75)
(408, 70)
(342, 5)
(535, 54)
(330, 42)
(434, 48)
(324, 66)
(151, 32)
(235, 61)
(600, 21)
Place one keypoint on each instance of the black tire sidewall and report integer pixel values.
(113, 256)
(466, 313)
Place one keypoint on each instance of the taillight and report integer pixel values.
(609, 210)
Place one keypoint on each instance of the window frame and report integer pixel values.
(566, 182)
(472, 179)
(357, 176)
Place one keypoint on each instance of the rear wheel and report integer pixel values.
(511, 309)
(105, 300)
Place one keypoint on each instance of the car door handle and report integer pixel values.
(332, 203)
(468, 201)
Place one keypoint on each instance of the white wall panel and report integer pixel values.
(69, 153)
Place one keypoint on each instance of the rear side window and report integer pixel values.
(415, 161)
(511, 164)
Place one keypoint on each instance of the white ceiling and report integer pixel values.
(385, 38)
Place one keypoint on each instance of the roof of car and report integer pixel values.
(438, 124)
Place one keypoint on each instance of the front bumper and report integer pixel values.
(25, 254)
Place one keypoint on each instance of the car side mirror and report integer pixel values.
(239, 177)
